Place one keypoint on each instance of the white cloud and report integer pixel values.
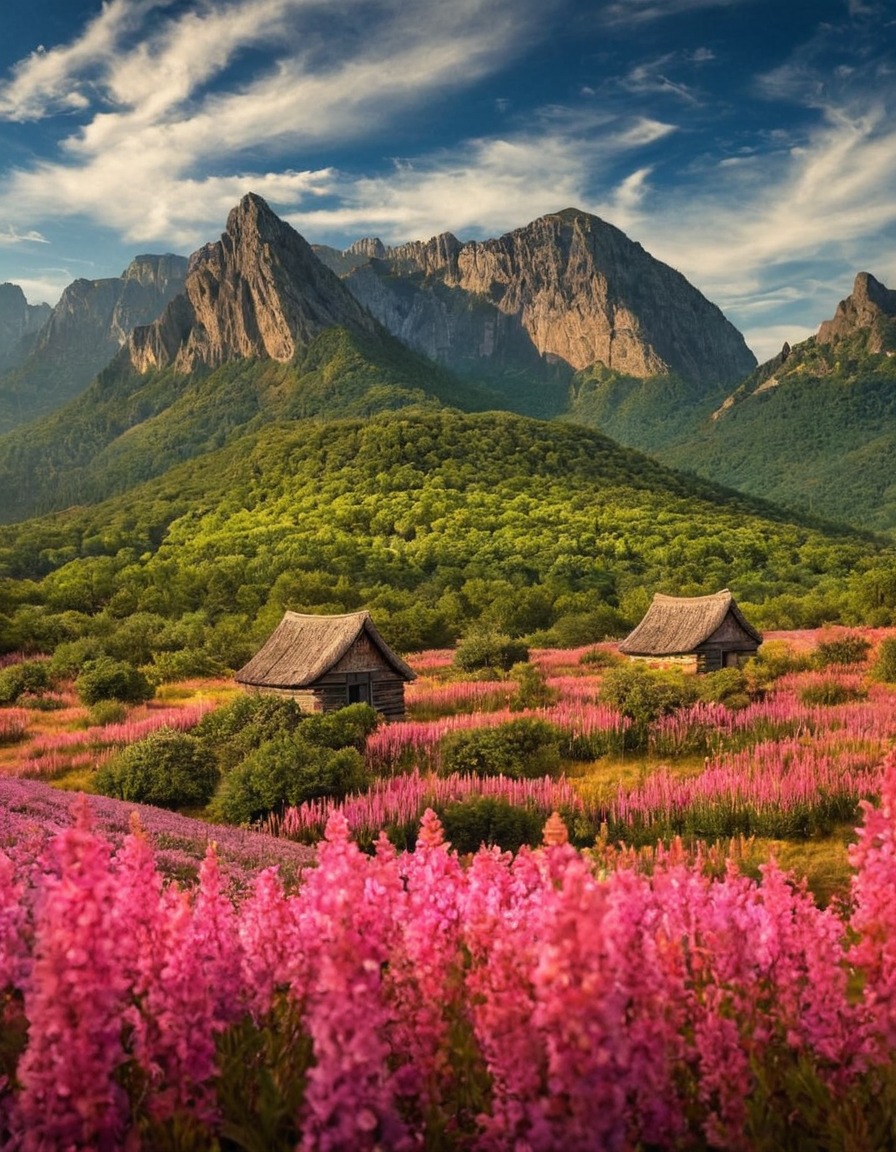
(646, 11)
(490, 186)
(51, 79)
(11, 236)
(163, 133)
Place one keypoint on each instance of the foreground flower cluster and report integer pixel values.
(412, 1001)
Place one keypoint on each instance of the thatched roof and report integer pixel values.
(676, 625)
(302, 648)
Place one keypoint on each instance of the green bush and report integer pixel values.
(775, 658)
(347, 727)
(524, 748)
(70, 657)
(283, 771)
(168, 667)
(479, 820)
(850, 649)
(108, 712)
(830, 692)
(108, 679)
(232, 732)
(169, 769)
(728, 686)
(884, 667)
(644, 694)
(532, 689)
(484, 648)
(30, 676)
(600, 658)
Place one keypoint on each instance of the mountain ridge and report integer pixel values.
(83, 333)
(259, 291)
(570, 284)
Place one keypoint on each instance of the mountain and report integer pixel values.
(257, 292)
(567, 291)
(262, 331)
(85, 330)
(814, 428)
(19, 322)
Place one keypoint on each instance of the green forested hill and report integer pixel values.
(433, 519)
(815, 432)
(128, 427)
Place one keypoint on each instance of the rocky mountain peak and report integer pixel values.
(576, 289)
(156, 272)
(868, 308)
(370, 247)
(18, 318)
(259, 291)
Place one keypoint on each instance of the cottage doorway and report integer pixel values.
(359, 692)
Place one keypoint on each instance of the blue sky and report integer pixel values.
(751, 144)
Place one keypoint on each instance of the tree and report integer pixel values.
(169, 769)
(485, 648)
(108, 679)
(287, 770)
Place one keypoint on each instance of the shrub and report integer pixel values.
(830, 692)
(884, 667)
(169, 769)
(31, 676)
(71, 656)
(728, 686)
(108, 712)
(232, 732)
(532, 689)
(600, 658)
(643, 695)
(492, 821)
(347, 727)
(283, 771)
(523, 748)
(489, 649)
(774, 659)
(167, 667)
(108, 679)
(850, 649)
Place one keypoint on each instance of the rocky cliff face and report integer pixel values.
(257, 292)
(85, 330)
(19, 321)
(94, 318)
(870, 308)
(569, 286)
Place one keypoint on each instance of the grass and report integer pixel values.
(822, 861)
(597, 780)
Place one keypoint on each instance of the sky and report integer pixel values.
(751, 144)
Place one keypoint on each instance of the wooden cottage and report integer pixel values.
(710, 628)
(326, 662)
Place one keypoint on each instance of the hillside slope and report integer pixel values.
(815, 428)
(432, 519)
(262, 331)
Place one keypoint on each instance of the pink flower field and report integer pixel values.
(628, 984)
(413, 1001)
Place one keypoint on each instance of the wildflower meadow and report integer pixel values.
(361, 971)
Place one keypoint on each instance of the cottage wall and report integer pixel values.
(728, 647)
(363, 656)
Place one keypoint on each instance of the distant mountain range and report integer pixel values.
(64, 348)
(565, 318)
